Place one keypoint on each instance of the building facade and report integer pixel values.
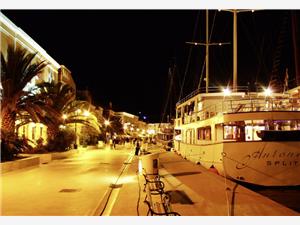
(11, 35)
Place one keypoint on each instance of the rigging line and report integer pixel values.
(258, 51)
(139, 197)
(169, 92)
(262, 68)
(226, 188)
(189, 56)
(210, 35)
(243, 164)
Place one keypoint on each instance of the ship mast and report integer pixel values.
(207, 44)
(207, 54)
(235, 12)
(234, 51)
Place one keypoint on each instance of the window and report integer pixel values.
(234, 131)
(204, 133)
(178, 112)
(33, 133)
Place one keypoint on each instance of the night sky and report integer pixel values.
(123, 56)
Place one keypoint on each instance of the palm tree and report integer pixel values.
(61, 108)
(17, 70)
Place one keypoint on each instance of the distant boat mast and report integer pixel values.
(296, 39)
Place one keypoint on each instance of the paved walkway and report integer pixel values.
(73, 186)
(195, 191)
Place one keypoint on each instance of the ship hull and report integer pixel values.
(265, 163)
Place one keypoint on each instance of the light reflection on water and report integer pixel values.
(287, 196)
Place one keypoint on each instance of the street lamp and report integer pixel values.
(106, 122)
(86, 113)
(77, 112)
(64, 117)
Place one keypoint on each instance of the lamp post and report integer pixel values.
(76, 140)
(106, 123)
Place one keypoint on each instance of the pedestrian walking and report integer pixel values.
(110, 143)
(114, 143)
(137, 148)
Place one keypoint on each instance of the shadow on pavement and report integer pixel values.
(184, 174)
(179, 197)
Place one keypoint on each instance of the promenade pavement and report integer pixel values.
(194, 191)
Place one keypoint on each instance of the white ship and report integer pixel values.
(251, 137)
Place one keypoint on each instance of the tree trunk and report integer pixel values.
(51, 131)
(8, 119)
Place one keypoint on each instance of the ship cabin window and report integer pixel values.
(234, 131)
(200, 106)
(204, 133)
(179, 112)
(282, 125)
(189, 109)
(186, 109)
(177, 135)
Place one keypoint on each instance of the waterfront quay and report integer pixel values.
(194, 190)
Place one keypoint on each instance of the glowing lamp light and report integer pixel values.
(226, 91)
(106, 122)
(62, 127)
(140, 167)
(86, 113)
(268, 92)
(64, 116)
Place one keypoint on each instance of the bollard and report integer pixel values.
(150, 163)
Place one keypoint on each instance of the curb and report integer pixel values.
(106, 203)
(34, 160)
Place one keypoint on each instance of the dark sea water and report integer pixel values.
(287, 196)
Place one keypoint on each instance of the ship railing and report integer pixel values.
(211, 89)
(260, 105)
(246, 105)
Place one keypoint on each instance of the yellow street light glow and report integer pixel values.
(268, 91)
(226, 91)
(64, 116)
(140, 167)
(62, 126)
(106, 122)
(78, 111)
(86, 113)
